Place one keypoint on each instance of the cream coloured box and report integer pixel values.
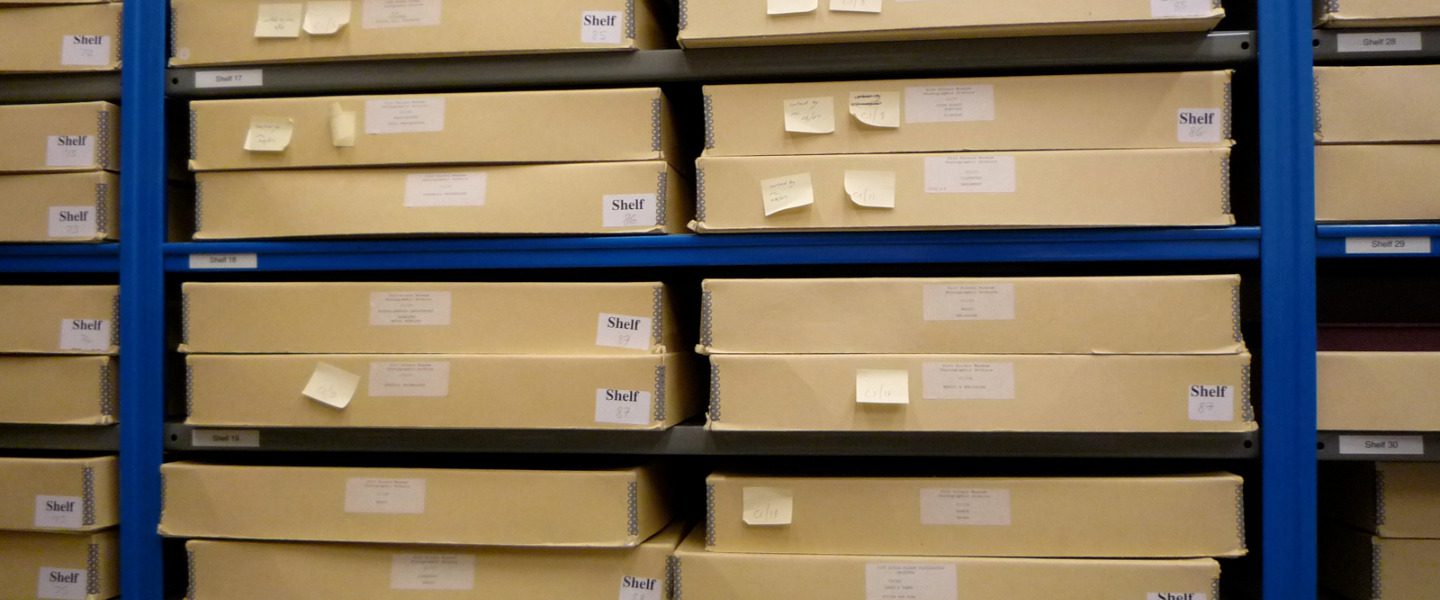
(60, 39)
(59, 565)
(59, 494)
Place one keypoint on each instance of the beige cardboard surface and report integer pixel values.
(1383, 13)
(60, 319)
(1390, 499)
(1020, 189)
(82, 136)
(58, 494)
(1358, 565)
(442, 391)
(729, 23)
(1377, 104)
(1377, 182)
(210, 32)
(418, 129)
(1134, 517)
(56, 39)
(1195, 393)
(1379, 391)
(1063, 315)
(60, 208)
(588, 198)
(58, 390)
(428, 318)
(249, 570)
(1066, 112)
(79, 566)
(614, 508)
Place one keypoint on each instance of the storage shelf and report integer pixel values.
(1327, 46)
(887, 60)
(1334, 239)
(695, 440)
(1329, 446)
(60, 437)
(56, 258)
(62, 87)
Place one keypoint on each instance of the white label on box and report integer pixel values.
(62, 584)
(1398, 245)
(910, 582)
(882, 386)
(790, 7)
(767, 506)
(432, 572)
(1177, 596)
(225, 438)
(410, 308)
(1181, 9)
(446, 189)
(230, 79)
(955, 506)
(405, 115)
(279, 20)
(1409, 445)
(331, 385)
(409, 379)
(85, 50)
(600, 27)
(70, 151)
(72, 222)
(622, 407)
(623, 331)
(969, 381)
(780, 194)
(382, 14)
(224, 261)
(639, 588)
(982, 302)
(949, 103)
(1198, 126)
(59, 512)
(1409, 41)
(85, 334)
(1212, 403)
(387, 496)
(629, 210)
(970, 175)
(861, 6)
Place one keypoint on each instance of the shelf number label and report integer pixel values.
(1390, 245)
(1410, 41)
(1408, 445)
(225, 438)
(200, 262)
(230, 79)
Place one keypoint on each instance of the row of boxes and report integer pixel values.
(1381, 537)
(57, 528)
(54, 36)
(1378, 378)
(59, 169)
(57, 354)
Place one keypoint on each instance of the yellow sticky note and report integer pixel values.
(790, 7)
(326, 17)
(876, 109)
(785, 193)
(768, 506)
(810, 115)
(882, 386)
(342, 126)
(871, 189)
(862, 6)
(269, 134)
(279, 20)
(332, 385)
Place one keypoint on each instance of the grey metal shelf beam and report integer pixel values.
(1361, 46)
(85, 438)
(63, 87)
(1406, 446)
(722, 65)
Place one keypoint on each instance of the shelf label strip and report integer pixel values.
(1387, 245)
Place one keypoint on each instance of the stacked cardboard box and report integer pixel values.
(57, 351)
(71, 36)
(1378, 13)
(58, 168)
(1378, 140)
(57, 528)
(1379, 378)
(1061, 151)
(1382, 535)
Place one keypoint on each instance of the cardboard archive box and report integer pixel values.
(560, 509)
(706, 575)
(1069, 517)
(1377, 104)
(248, 570)
(1060, 112)
(81, 136)
(213, 32)
(563, 126)
(427, 318)
(1379, 13)
(61, 207)
(652, 391)
(588, 198)
(934, 191)
(59, 494)
(55, 39)
(1379, 391)
(1034, 315)
(726, 23)
(59, 565)
(58, 390)
(60, 319)
(1013, 392)
(1394, 182)
(1390, 499)
(1360, 566)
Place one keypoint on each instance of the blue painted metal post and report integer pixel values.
(1287, 255)
(142, 306)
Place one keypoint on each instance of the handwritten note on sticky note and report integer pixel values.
(882, 386)
(269, 134)
(871, 189)
(332, 385)
(861, 6)
(876, 109)
(768, 506)
(785, 193)
(326, 17)
(342, 126)
(790, 7)
(279, 20)
(810, 115)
